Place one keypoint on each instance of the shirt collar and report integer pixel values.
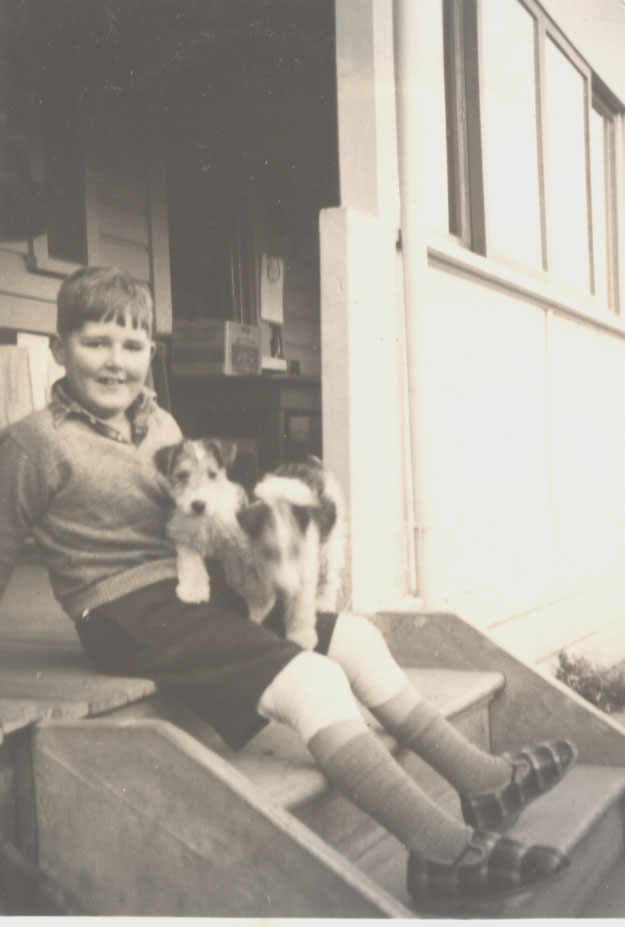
(63, 406)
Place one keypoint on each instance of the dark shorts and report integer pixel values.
(210, 655)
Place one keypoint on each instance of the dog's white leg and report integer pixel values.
(331, 559)
(300, 611)
(300, 625)
(193, 583)
(257, 614)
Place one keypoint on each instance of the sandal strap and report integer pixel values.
(504, 866)
(534, 771)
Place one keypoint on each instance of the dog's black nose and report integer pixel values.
(197, 507)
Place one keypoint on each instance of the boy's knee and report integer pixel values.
(310, 693)
(357, 641)
(359, 647)
(359, 630)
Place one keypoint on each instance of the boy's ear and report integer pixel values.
(58, 349)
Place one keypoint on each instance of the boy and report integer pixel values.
(79, 476)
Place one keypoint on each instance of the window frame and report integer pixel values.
(603, 102)
(467, 161)
(39, 259)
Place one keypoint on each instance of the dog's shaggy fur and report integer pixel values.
(206, 503)
(330, 518)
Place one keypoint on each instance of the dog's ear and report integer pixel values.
(165, 456)
(228, 450)
(253, 518)
(303, 515)
(225, 450)
(328, 515)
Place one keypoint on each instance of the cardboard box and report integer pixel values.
(210, 346)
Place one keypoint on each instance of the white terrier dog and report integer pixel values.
(285, 545)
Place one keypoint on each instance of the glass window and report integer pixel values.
(510, 131)
(566, 188)
(603, 194)
(599, 211)
(434, 100)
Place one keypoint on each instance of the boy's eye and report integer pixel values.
(134, 346)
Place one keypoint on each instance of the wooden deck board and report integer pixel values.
(43, 671)
(278, 762)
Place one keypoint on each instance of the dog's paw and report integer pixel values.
(194, 593)
(305, 637)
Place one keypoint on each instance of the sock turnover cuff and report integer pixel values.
(326, 743)
(415, 725)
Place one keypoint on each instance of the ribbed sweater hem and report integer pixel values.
(114, 587)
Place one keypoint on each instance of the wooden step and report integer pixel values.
(608, 899)
(135, 817)
(583, 817)
(278, 764)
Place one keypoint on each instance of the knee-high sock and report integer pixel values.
(428, 734)
(380, 684)
(312, 694)
(360, 767)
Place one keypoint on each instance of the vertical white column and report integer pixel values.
(360, 309)
(410, 33)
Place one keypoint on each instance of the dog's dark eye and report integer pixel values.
(181, 477)
(212, 474)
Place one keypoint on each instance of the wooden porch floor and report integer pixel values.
(43, 672)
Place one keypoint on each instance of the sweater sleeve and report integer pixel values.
(24, 496)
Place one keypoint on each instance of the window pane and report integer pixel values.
(567, 206)
(599, 203)
(434, 100)
(510, 132)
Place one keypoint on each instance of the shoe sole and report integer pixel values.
(450, 906)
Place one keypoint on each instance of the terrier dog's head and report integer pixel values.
(281, 525)
(197, 478)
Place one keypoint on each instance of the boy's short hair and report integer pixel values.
(103, 294)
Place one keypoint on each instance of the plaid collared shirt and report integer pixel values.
(63, 405)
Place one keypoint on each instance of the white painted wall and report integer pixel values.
(523, 459)
(516, 399)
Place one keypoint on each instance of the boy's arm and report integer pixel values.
(24, 495)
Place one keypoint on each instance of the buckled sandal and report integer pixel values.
(490, 867)
(535, 770)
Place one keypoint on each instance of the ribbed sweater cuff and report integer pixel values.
(114, 587)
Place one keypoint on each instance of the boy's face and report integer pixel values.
(105, 364)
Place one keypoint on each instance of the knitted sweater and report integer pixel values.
(95, 503)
